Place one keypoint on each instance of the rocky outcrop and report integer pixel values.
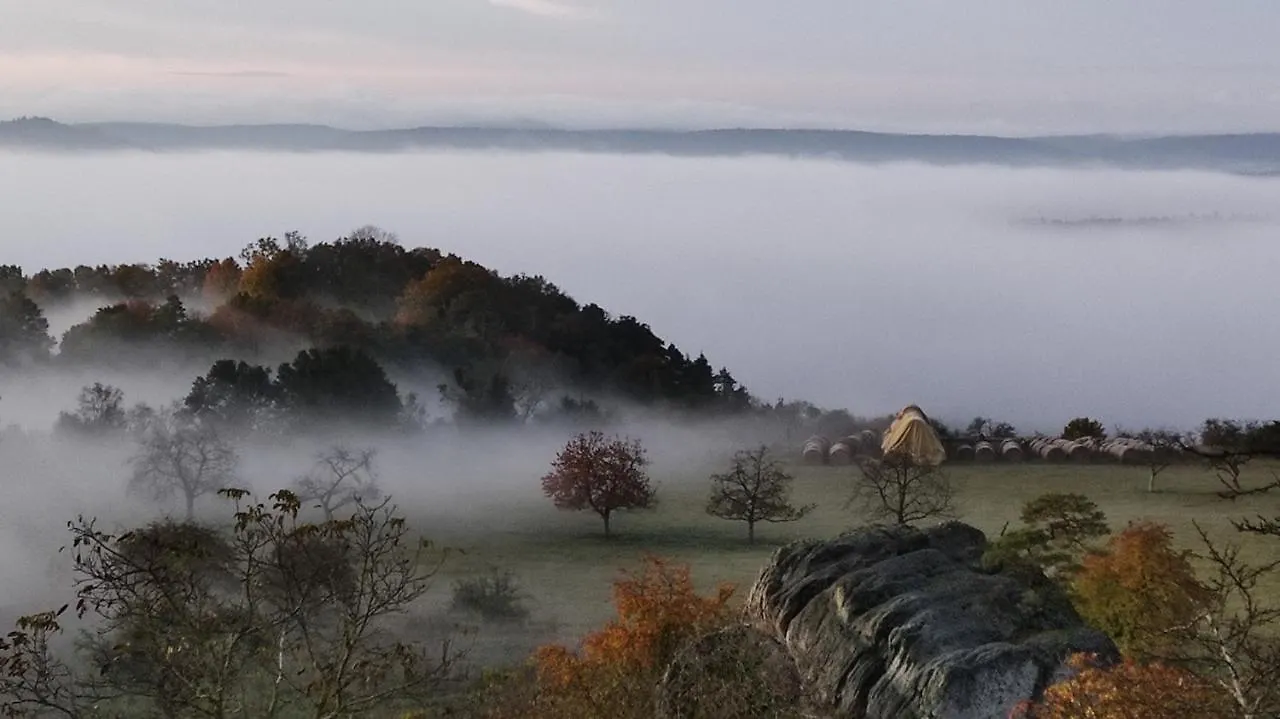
(902, 623)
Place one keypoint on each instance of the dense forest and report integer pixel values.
(318, 331)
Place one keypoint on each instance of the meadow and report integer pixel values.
(566, 566)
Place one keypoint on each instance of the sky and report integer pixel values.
(990, 66)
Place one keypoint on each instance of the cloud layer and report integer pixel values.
(867, 287)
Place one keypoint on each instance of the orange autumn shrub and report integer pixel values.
(1128, 691)
(614, 672)
(1138, 589)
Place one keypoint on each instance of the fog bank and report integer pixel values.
(858, 286)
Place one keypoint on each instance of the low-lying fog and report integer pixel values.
(858, 286)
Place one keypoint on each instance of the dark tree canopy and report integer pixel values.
(338, 384)
(480, 401)
(987, 427)
(234, 395)
(116, 333)
(24, 331)
(1084, 427)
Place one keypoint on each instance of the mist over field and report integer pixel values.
(867, 287)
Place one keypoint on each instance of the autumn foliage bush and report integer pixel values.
(616, 669)
(1129, 690)
(1139, 589)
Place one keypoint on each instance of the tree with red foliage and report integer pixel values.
(601, 474)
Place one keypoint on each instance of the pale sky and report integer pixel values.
(998, 66)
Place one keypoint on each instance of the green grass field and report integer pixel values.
(566, 565)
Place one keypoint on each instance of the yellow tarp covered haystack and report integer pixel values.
(913, 436)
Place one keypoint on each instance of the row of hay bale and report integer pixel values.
(1127, 450)
(843, 451)
(821, 450)
(1055, 449)
(1009, 450)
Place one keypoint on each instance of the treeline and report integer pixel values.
(505, 343)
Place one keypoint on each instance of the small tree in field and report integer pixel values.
(178, 455)
(1082, 427)
(899, 489)
(1165, 446)
(755, 489)
(601, 474)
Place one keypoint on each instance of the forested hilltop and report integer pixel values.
(506, 348)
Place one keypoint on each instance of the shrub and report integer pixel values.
(1128, 691)
(1058, 529)
(659, 612)
(1139, 589)
(495, 597)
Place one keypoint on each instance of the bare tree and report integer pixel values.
(181, 456)
(191, 622)
(99, 412)
(1232, 640)
(755, 489)
(899, 489)
(1228, 466)
(1163, 448)
(341, 477)
(530, 391)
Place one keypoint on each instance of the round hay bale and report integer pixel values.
(870, 442)
(853, 442)
(964, 453)
(735, 672)
(984, 452)
(1011, 451)
(816, 449)
(1130, 454)
(1079, 452)
(813, 453)
(840, 453)
(1052, 452)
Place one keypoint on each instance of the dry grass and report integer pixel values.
(567, 567)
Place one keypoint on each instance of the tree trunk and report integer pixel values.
(1151, 482)
(191, 507)
(606, 524)
(751, 532)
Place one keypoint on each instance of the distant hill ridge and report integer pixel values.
(1251, 154)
